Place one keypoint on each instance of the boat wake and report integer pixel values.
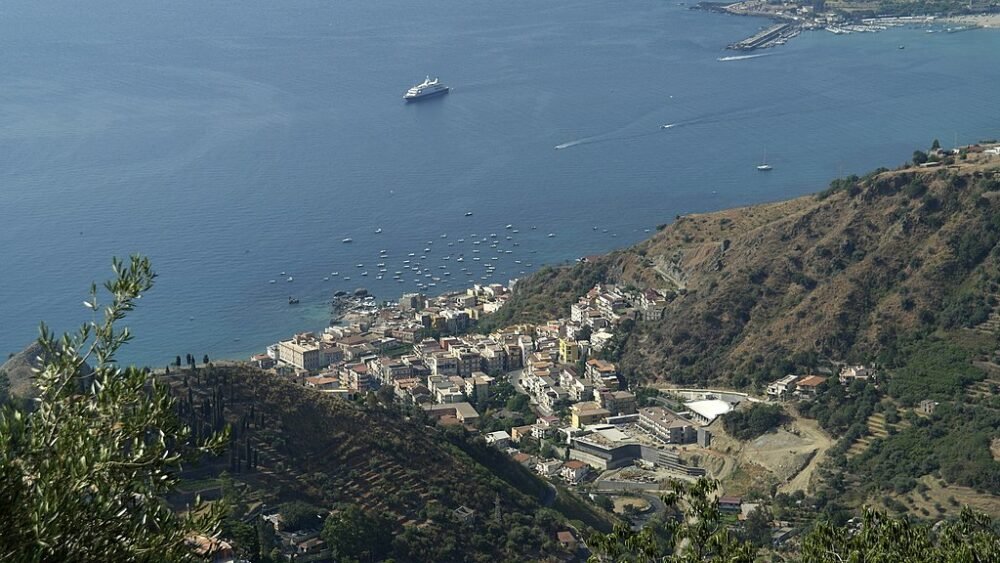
(742, 57)
(610, 137)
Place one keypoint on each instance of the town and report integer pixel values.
(541, 393)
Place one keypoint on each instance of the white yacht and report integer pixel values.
(425, 89)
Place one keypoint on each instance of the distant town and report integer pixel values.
(792, 18)
(586, 425)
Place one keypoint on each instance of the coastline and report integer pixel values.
(986, 21)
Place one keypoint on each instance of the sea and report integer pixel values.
(238, 143)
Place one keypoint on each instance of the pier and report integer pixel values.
(766, 38)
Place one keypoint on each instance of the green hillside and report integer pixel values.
(290, 443)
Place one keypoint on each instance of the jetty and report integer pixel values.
(774, 35)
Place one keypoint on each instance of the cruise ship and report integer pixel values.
(426, 89)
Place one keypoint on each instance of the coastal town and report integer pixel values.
(792, 18)
(542, 393)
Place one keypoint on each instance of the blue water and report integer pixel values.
(231, 141)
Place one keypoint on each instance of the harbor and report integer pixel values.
(770, 37)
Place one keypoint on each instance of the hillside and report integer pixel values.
(852, 273)
(290, 443)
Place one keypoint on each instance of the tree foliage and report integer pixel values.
(699, 535)
(755, 421)
(353, 534)
(974, 537)
(83, 474)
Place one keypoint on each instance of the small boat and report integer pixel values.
(347, 240)
(289, 279)
(347, 278)
(468, 214)
(378, 231)
(361, 265)
(364, 273)
(902, 46)
(334, 273)
(292, 300)
(272, 281)
(550, 235)
(764, 166)
(509, 226)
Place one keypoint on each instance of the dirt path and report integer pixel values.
(811, 430)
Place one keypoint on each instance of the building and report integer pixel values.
(618, 402)
(548, 467)
(783, 386)
(566, 539)
(464, 412)
(667, 426)
(574, 470)
(704, 438)
(927, 406)
(605, 448)
(808, 386)
(602, 373)
(569, 351)
(730, 504)
(707, 410)
(587, 412)
(498, 439)
(519, 432)
(306, 352)
(412, 302)
(851, 374)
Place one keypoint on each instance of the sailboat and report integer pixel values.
(764, 166)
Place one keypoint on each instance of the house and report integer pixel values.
(498, 439)
(311, 545)
(927, 406)
(851, 374)
(566, 540)
(262, 361)
(783, 386)
(523, 458)
(519, 432)
(463, 412)
(574, 470)
(730, 504)
(548, 467)
(808, 386)
(464, 514)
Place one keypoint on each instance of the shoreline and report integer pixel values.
(985, 21)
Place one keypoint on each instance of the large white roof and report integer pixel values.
(710, 408)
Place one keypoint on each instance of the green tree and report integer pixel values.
(297, 515)
(757, 527)
(699, 535)
(354, 534)
(974, 537)
(4, 387)
(83, 474)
